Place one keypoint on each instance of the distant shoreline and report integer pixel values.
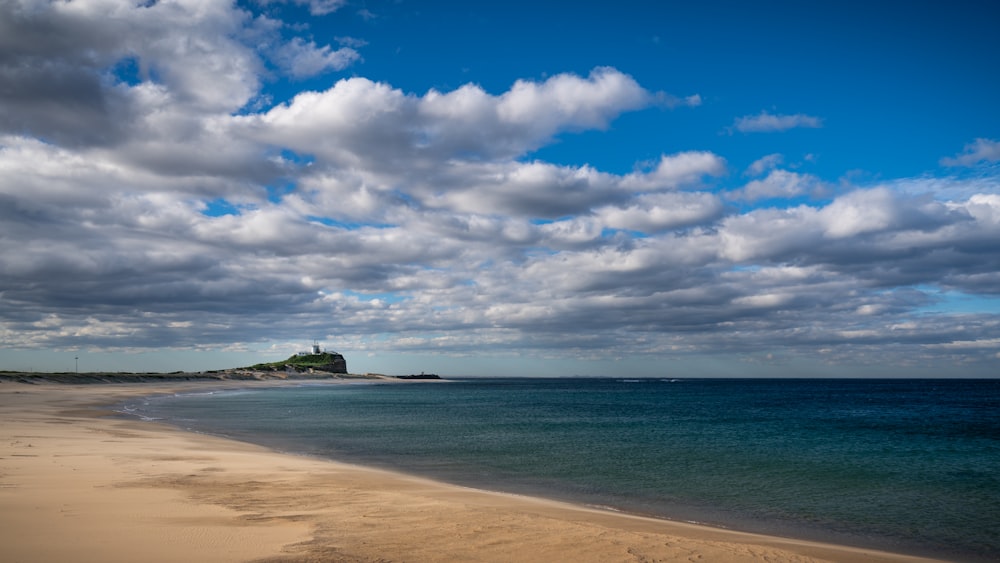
(73, 378)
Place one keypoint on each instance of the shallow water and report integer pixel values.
(904, 465)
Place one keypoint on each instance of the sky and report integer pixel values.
(629, 188)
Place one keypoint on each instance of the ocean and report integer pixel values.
(911, 466)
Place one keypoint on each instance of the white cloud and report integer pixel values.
(316, 7)
(868, 211)
(93, 73)
(981, 150)
(534, 189)
(566, 99)
(765, 233)
(652, 213)
(352, 42)
(764, 301)
(875, 221)
(778, 184)
(984, 207)
(765, 122)
(357, 118)
(302, 60)
(671, 101)
(322, 7)
(59, 57)
(676, 170)
(764, 164)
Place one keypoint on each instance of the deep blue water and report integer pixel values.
(904, 465)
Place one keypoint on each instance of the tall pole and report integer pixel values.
(76, 367)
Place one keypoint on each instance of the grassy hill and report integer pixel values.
(325, 361)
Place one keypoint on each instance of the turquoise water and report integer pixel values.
(904, 465)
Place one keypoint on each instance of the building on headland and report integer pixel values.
(315, 351)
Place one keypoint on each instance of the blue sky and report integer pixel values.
(641, 188)
(896, 84)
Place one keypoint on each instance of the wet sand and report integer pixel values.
(77, 484)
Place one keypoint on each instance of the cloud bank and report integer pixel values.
(151, 198)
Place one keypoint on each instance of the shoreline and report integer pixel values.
(78, 481)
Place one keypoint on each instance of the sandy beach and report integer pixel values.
(77, 484)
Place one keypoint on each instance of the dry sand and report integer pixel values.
(78, 485)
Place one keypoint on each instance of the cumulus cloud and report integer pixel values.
(316, 7)
(358, 117)
(536, 189)
(765, 122)
(302, 60)
(778, 184)
(652, 213)
(323, 7)
(980, 150)
(583, 103)
(764, 164)
(878, 220)
(92, 73)
(676, 170)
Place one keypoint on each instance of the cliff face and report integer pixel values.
(335, 364)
